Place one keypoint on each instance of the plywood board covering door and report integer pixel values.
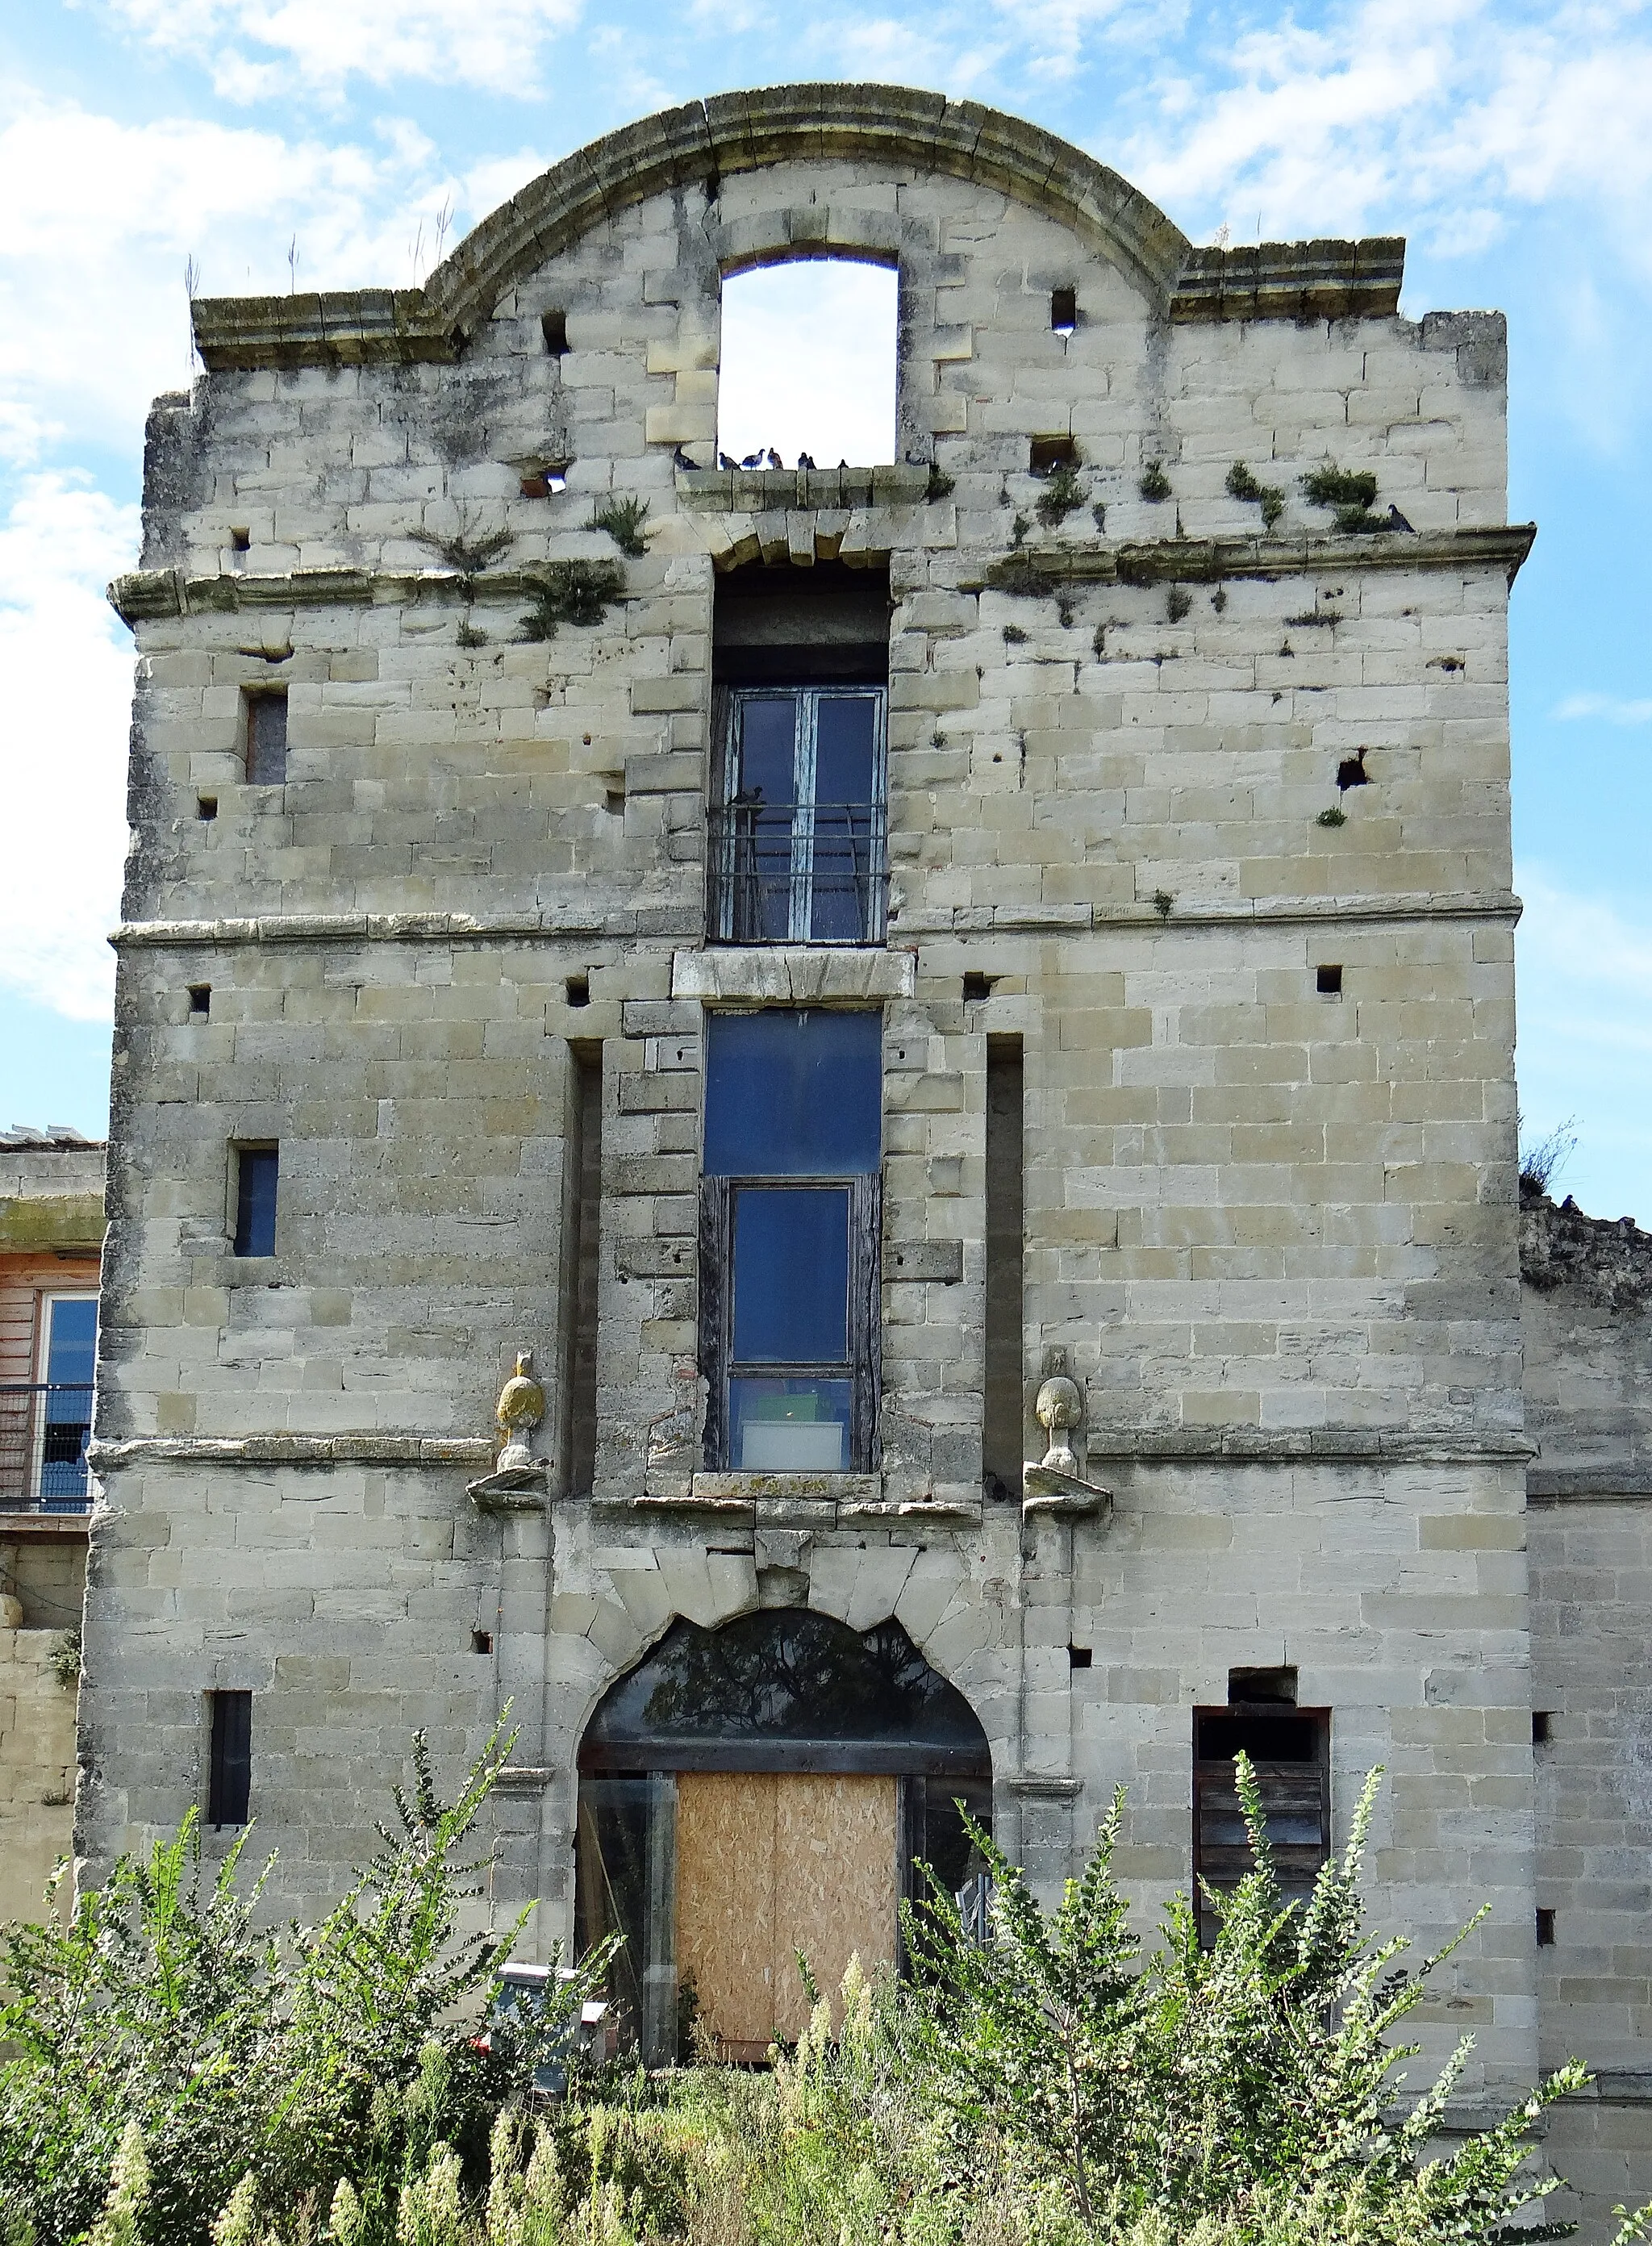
(769, 1863)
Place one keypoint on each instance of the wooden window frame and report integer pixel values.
(865, 1367)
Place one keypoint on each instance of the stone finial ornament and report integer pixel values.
(521, 1408)
(1054, 1485)
(1059, 1407)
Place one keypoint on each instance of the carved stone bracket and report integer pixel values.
(1054, 1485)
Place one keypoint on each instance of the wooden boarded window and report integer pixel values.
(1290, 1749)
(1002, 1445)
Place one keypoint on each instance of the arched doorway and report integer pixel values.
(764, 1788)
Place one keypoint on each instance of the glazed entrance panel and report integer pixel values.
(770, 1863)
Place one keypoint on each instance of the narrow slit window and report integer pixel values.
(266, 739)
(206, 807)
(553, 328)
(1002, 1441)
(257, 1175)
(582, 1207)
(1063, 311)
(229, 1772)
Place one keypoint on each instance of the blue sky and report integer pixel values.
(323, 140)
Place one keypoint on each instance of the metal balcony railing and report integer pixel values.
(797, 873)
(45, 1428)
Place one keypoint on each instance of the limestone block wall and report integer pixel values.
(1154, 766)
(37, 1768)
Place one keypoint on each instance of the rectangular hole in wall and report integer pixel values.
(583, 1240)
(808, 365)
(257, 1176)
(1272, 1685)
(241, 541)
(976, 987)
(1289, 1751)
(229, 1768)
(206, 806)
(553, 328)
(1063, 311)
(1003, 1432)
(1541, 1733)
(1045, 453)
(266, 719)
(577, 988)
(1080, 1657)
(200, 998)
(1328, 981)
(481, 1641)
(1544, 1929)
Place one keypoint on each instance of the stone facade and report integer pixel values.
(1205, 806)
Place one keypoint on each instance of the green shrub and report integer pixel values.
(571, 593)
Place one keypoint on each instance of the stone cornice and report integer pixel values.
(745, 132)
(1033, 570)
(366, 1449)
(1605, 1482)
(554, 926)
(1308, 1446)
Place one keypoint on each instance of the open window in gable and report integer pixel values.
(808, 365)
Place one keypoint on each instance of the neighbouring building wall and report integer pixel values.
(1587, 1317)
(1214, 822)
(51, 1229)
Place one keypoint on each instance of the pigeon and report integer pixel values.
(753, 460)
(683, 460)
(724, 461)
(774, 460)
(806, 459)
(1397, 521)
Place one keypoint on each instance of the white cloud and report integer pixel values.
(1615, 709)
(1584, 1000)
(493, 44)
(67, 662)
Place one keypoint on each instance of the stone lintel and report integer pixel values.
(768, 975)
(1627, 1480)
(26, 1523)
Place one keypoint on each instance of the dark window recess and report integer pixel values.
(206, 806)
(241, 541)
(978, 986)
(1544, 1929)
(1004, 1430)
(200, 998)
(1063, 311)
(1276, 1686)
(582, 1234)
(481, 1641)
(1351, 771)
(553, 328)
(266, 739)
(1046, 453)
(257, 1171)
(790, 1218)
(1328, 981)
(1541, 1733)
(230, 1769)
(578, 989)
(1081, 1656)
(1290, 1750)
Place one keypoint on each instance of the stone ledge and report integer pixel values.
(149, 593)
(790, 491)
(387, 928)
(1217, 912)
(1308, 1445)
(1293, 281)
(26, 1522)
(283, 1450)
(764, 975)
(48, 1220)
(1032, 571)
(1629, 1480)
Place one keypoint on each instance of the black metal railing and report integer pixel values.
(45, 1428)
(797, 873)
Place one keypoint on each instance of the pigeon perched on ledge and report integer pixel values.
(753, 460)
(774, 460)
(683, 460)
(806, 459)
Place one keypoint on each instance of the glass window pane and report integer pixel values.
(791, 1275)
(71, 1347)
(790, 1426)
(793, 1094)
(845, 739)
(256, 1201)
(768, 747)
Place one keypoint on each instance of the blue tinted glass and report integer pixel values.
(844, 740)
(793, 1095)
(255, 1202)
(768, 747)
(791, 1275)
(790, 1426)
(72, 1349)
